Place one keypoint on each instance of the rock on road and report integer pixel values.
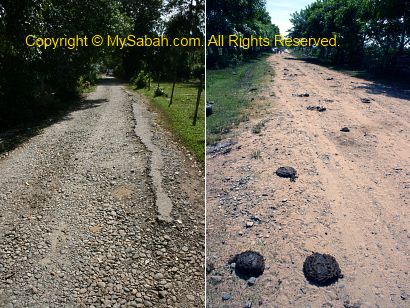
(78, 212)
(350, 199)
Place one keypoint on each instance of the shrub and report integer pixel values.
(197, 71)
(159, 92)
(141, 80)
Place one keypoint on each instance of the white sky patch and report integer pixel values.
(1, 11)
(280, 11)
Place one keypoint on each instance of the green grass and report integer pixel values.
(257, 129)
(178, 118)
(86, 90)
(256, 154)
(229, 90)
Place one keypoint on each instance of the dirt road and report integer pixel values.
(351, 199)
(79, 208)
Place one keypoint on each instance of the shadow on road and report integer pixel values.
(12, 138)
(109, 81)
(388, 90)
(88, 104)
(397, 85)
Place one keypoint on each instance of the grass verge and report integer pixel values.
(179, 116)
(229, 89)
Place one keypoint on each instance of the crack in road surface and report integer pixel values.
(78, 215)
(143, 131)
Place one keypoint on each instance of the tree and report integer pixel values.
(372, 33)
(33, 80)
(245, 18)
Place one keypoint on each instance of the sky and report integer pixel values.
(280, 11)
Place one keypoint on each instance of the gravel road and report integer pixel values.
(79, 220)
(350, 200)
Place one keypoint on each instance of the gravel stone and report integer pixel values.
(79, 213)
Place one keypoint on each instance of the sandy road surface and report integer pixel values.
(351, 199)
(78, 214)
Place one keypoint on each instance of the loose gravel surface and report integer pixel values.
(79, 220)
(350, 200)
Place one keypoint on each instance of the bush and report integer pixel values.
(141, 80)
(92, 76)
(197, 71)
(119, 71)
(159, 92)
(83, 83)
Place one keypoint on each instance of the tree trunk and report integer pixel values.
(172, 93)
(149, 81)
(198, 99)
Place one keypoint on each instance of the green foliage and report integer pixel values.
(32, 79)
(245, 18)
(257, 128)
(141, 80)
(197, 70)
(185, 18)
(28, 75)
(370, 33)
(256, 154)
(159, 92)
(179, 116)
(229, 90)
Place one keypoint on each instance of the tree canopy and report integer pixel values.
(34, 80)
(245, 18)
(370, 33)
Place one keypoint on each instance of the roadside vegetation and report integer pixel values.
(257, 128)
(38, 83)
(172, 73)
(35, 82)
(179, 116)
(371, 34)
(234, 74)
(229, 91)
(244, 18)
